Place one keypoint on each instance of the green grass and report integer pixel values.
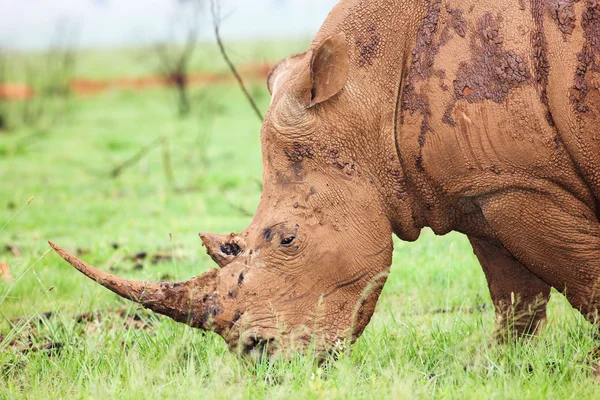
(406, 352)
(106, 63)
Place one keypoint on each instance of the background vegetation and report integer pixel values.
(431, 336)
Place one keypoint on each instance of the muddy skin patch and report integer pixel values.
(298, 169)
(268, 234)
(348, 166)
(206, 318)
(298, 152)
(211, 309)
(310, 194)
(295, 155)
(423, 55)
(563, 13)
(459, 23)
(540, 60)
(421, 68)
(492, 73)
(368, 48)
(522, 5)
(231, 249)
(587, 58)
(282, 179)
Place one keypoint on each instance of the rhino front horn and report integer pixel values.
(192, 302)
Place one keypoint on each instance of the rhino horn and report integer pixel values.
(223, 249)
(192, 302)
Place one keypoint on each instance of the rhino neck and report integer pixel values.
(381, 35)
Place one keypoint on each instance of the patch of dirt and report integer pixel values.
(15, 91)
(95, 316)
(13, 249)
(28, 340)
(91, 87)
(5, 272)
(156, 258)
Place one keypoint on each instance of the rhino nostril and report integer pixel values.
(231, 249)
(257, 347)
(251, 344)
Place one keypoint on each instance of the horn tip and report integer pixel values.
(59, 250)
(204, 237)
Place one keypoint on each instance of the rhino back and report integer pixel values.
(487, 102)
(573, 37)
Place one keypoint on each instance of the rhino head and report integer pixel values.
(315, 257)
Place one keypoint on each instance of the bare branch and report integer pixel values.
(167, 165)
(192, 38)
(3, 79)
(173, 58)
(118, 170)
(215, 9)
(164, 58)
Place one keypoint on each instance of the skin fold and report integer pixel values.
(458, 115)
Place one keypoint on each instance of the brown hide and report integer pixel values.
(477, 117)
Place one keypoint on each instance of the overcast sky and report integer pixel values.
(32, 23)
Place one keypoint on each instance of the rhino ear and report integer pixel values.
(329, 68)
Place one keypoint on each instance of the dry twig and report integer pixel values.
(119, 169)
(174, 60)
(215, 9)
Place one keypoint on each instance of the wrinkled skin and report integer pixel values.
(476, 117)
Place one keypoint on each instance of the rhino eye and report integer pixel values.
(287, 241)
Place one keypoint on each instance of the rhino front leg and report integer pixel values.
(554, 235)
(519, 296)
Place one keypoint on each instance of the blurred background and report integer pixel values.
(29, 24)
(68, 47)
(123, 133)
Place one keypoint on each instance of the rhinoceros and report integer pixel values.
(457, 115)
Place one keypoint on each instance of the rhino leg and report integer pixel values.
(519, 296)
(554, 235)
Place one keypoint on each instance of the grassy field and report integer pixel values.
(212, 183)
(135, 62)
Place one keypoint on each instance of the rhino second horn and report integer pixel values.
(223, 249)
(181, 301)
